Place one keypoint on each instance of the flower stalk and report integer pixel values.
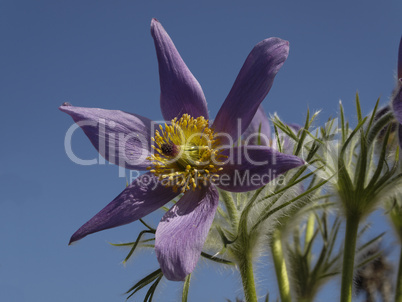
(280, 266)
(398, 292)
(352, 225)
(395, 215)
(309, 229)
(247, 276)
(186, 287)
(243, 253)
(231, 208)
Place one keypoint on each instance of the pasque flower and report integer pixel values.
(397, 95)
(188, 156)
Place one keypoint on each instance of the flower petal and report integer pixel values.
(183, 230)
(397, 95)
(121, 138)
(142, 197)
(400, 136)
(400, 61)
(251, 86)
(259, 130)
(180, 91)
(251, 167)
(397, 102)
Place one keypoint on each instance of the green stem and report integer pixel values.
(186, 287)
(396, 220)
(352, 225)
(398, 293)
(309, 229)
(280, 267)
(231, 209)
(247, 277)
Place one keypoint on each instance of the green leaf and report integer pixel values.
(373, 114)
(278, 139)
(369, 259)
(144, 282)
(358, 108)
(224, 238)
(136, 244)
(216, 259)
(303, 134)
(151, 291)
(344, 130)
(361, 166)
(265, 214)
(146, 225)
(381, 159)
(378, 126)
(370, 242)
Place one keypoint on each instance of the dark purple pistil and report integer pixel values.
(169, 149)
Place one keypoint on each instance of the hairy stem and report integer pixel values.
(280, 267)
(398, 292)
(230, 208)
(247, 277)
(352, 225)
(309, 229)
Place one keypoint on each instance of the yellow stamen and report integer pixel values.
(185, 153)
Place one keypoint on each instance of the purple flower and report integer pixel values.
(187, 156)
(397, 95)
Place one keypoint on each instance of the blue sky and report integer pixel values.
(100, 54)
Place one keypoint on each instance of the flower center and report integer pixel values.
(186, 154)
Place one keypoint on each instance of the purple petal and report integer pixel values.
(251, 167)
(400, 136)
(121, 138)
(397, 95)
(183, 230)
(142, 197)
(251, 86)
(397, 102)
(259, 130)
(400, 61)
(180, 91)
